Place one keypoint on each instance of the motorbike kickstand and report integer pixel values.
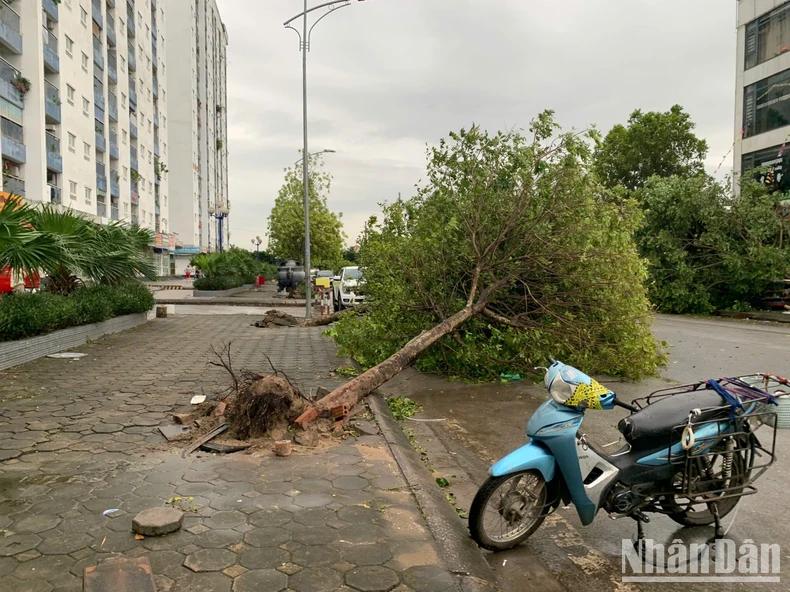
(639, 543)
(718, 534)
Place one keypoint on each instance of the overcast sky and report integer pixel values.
(387, 77)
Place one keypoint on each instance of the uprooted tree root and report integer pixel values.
(258, 403)
(263, 402)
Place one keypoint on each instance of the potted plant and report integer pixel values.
(22, 84)
(135, 176)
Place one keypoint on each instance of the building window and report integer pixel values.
(125, 172)
(766, 104)
(86, 106)
(125, 135)
(88, 195)
(84, 18)
(125, 208)
(72, 143)
(123, 100)
(768, 36)
(72, 189)
(68, 4)
(70, 94)
(69, 46)
(123, 64)
(142, 184)
(768, 166)
(86, 151)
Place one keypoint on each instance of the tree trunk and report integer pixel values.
(326, 319)
(353, 391)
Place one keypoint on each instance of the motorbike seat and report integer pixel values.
(656, 421)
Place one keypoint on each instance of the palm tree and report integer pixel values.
(68, 247)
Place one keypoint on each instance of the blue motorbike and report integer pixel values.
(690, 453)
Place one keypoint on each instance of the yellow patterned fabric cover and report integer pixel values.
(588, 395)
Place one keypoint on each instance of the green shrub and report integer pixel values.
(27, 315)
(220, 282)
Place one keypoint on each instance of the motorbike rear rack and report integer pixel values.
(727, 438)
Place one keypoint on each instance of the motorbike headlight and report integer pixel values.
(560, 390)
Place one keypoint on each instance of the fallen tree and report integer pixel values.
(512, 252)
(278, 318)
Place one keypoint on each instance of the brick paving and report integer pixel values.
(80, 437)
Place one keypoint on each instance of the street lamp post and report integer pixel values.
(219, 214)
(304, 47)
(257, 242)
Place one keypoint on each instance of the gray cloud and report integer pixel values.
(387, 77)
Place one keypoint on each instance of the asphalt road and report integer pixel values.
(481, 423)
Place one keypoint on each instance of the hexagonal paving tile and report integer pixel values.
(428, 578)
(115, 542)
(225, 520)
(35, 524)
(267, 537)
(362, 534)
(44, 568)
(217, 539)
(18, 543)
(210, 560)
(350, 483)
(272, 501)
(315, 556)
(10, 584)
(374, 578)
(261, 580)
(315, 516)
(313, 500)
(63, 544)
(264, 558)
(358, 515)
(366, 554)
(313, 535)
(316, 579)
(313, 485)
(270, 518)
(203, 582)
(162, 561)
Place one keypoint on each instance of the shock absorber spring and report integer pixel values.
(726, 463)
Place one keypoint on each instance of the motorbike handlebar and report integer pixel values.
(624, 405)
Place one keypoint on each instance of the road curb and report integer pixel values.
(460, 553)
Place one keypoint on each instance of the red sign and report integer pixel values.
(172, 242)
(158, 240)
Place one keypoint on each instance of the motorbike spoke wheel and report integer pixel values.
(508, 509)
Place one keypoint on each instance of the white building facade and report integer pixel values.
(762, 100)
(83, 102)
(198, 128)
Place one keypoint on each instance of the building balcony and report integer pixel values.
(10, 29)
(13, 142)
(112, 38)
(101, 184)
(154, 32)
(97, 15)
(13, 185)
(111, 3)
(112, 74)
(154, 55)
(133, 163)
(54, 159)
(51, 59)
(114, 152)
(133, 129)
(114, 212)
(157, 211)
(101, 142)
(113, 107)
(156, 118)
(98, 99)
(98, 58)
(101, 210)
(155, 88)
(52, 104)
(153, 5)
(135, 195)
(156, 148)
(131, 31)
(132, 60)
(55, 194)
(8, 74)
(50, 8)
(115, 187)
(133, 98)
(134, 219)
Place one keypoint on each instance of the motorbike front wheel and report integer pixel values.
(508, 509)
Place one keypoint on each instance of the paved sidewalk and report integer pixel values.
(79, 437)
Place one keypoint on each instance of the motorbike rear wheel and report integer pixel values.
(700, 514)
(508, 509)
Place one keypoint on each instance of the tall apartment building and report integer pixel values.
(198, 128)
(762, 100)
(83, 106)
